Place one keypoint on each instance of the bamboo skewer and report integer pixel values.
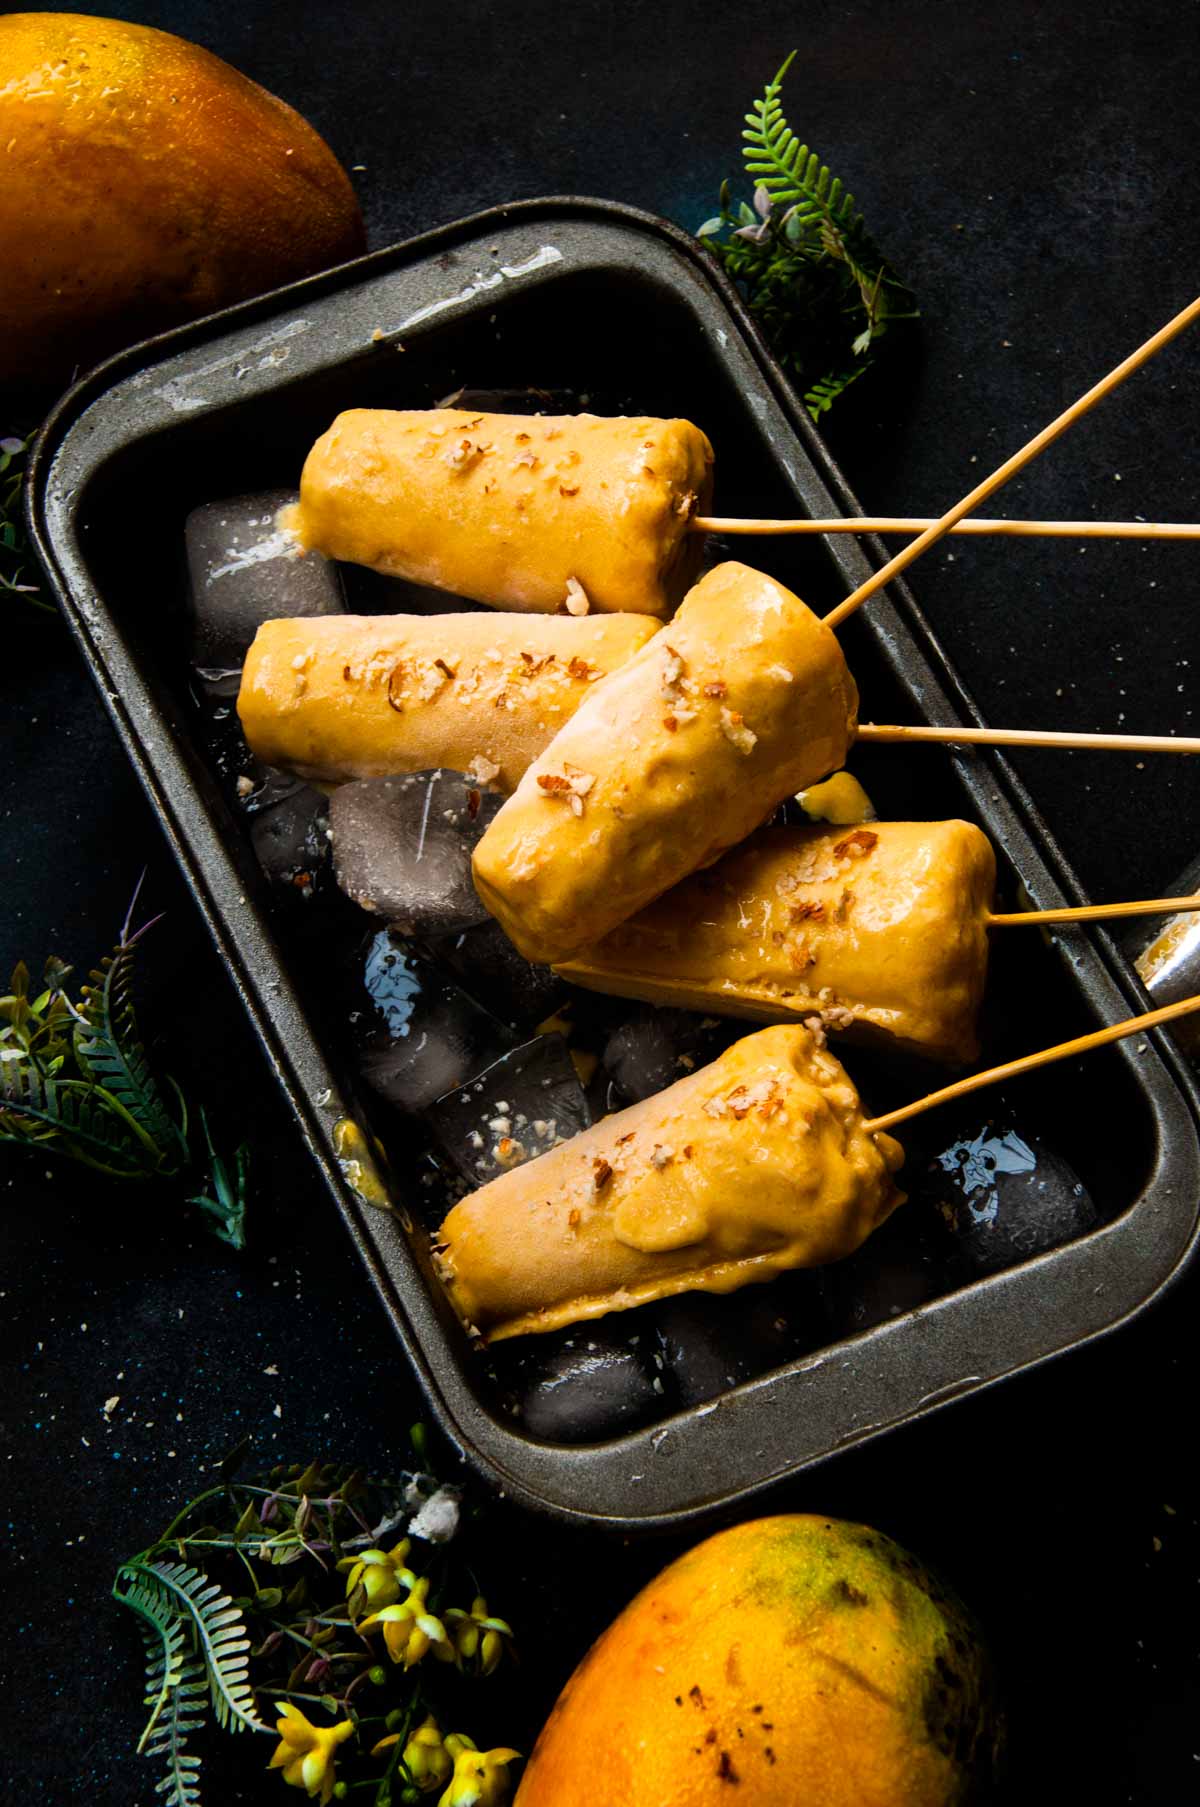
(1029, 737)
(1011, 466)
(1082, 1044)
(974, 524)
(1149, 906)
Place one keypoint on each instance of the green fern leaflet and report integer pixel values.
(803, 258)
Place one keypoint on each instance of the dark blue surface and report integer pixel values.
(1030, 169)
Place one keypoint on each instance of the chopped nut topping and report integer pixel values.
(568, 489)
(580, 669)
(856, 845)
(482, 769)
(718, 687)
(670, 724)
(529, 460)
(522, 438)
(463, 455)
(245, 785)
(628, 1137)
(345, 674)
(508, 1152)
(574, 1218)
(807, 912)
(432, 680)
(780, 671)
(687, 1151)
(569, 784)
(736, 731)
(686, 505)
(577, 597)
(661, 1156)
(601, 1173)
(474, 799)
(672, 670)
(448, 669)
(394, 702)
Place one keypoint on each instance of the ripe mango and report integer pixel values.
(799, 1661)
(143, 182)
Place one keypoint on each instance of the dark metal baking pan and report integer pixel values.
(607, 302)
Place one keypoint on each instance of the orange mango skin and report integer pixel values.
(145, 182)
(794, 1661)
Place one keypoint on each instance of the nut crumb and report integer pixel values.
(601, 1173)
(482, 769)
(856, 845)
(463, 455)
(735, 730)
(661, 1156)
(577, 597)
(718, 687)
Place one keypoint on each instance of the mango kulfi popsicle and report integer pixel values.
(518, 511)
(754, 1165)
(740, 701)
(358, 696)
(880, 929)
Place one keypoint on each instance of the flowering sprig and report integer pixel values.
(316, 1546)
(802, 256)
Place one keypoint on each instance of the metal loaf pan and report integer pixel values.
(621, 306)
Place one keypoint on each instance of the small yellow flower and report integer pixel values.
(479, 1641)
(305, 1752)
(409, 1630)
(428, 1758)
(381, 1572)
(480, 1778)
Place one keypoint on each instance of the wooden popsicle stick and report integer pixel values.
(975, 524)
(1011, 466)
(1149, 906)
(1082, 1044)
(1029, 737)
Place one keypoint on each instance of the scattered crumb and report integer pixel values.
(577, 597)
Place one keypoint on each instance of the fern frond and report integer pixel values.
(790, 172)
(822, 395)
(110, 1051)
(220, 1636)
(185, 1713)
(163, 1631)
(80, 1119)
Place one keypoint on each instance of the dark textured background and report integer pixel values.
(1030, 169)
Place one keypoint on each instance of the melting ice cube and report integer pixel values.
(402, 848)
(244, 570)
(594, 1382)
(1004, 1195)
(512, 1111)
(653, 1048)
(417, 1034)
(489, 965)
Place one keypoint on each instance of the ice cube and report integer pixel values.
(244, 570)
(288, 829)
(512, 1111)
(489, 966)
(593, 1383)
(713, 1342)
(902, 1266)
(402, 848)
(654, 1047)
(1003, 1195)
(417, 1034)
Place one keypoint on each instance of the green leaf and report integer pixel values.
(224, 1204)
(69, 1116)
(219, 1634)
(110, 1051)
(176, 1687)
